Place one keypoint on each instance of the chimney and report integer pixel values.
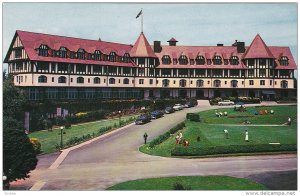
(235, 43)
(172, 42)
(157, 47)
(241, 47)
(220, 45)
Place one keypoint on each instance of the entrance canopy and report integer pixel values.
(268, 92)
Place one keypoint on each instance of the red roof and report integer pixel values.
(142, 48)
(208, 52)
(31, 41)
(258, 49)
(278, 52)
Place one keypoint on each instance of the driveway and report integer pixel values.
(115, 158)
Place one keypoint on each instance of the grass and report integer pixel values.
(190, 183)
(280, 116)
(49, 140)
(213, 135)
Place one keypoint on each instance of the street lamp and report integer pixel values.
(119, 118)
(61, 136)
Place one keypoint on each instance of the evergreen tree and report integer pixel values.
(19, 157)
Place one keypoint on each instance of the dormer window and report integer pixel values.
(126, 58)
(43, 50)
(80, 53)
(97, 55)
(200, 60)
(284, 60)
(234, 60)
(166, 60)
(62, 52)
(112, 57)
(183, 60)
(217, 60)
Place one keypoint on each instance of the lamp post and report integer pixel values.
(119, 118)
(61, 136)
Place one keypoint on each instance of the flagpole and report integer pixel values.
(142, 21)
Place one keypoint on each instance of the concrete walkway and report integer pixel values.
(114, 158)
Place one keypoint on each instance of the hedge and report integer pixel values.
(166, 135)
(193, 117)
(197, 151)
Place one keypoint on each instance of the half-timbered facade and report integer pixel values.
(60, 68)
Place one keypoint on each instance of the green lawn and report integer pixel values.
(213, 135)
(49, 140)
(280, 116)
(190, 183)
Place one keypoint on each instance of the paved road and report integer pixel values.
(116, 158)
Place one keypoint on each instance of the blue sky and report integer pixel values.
(191, 24)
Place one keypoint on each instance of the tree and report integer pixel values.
(19, 157)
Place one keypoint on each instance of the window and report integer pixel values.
(126, 58)
(200, 83)
(151, 81)
(183, 60)
(111, 81)
(234, 83)
(284, 84)
(262, 82)
(217, 83)
(112, 57)
(52, 79)
(251, 72)
(271, 82)
(165, 82)
(182, 83)
(217, 73)
(80, 80)
(80, 53)
(97, 80)
(166, 60)
(43, 50)
(62, 79)
(42, 79)
(97, 55)
(262, 72)
(126, 81)
(251, 82)
(63, 52)
(262, 62)
(217, 60)
(141, 81)
(200, 60)
(234, 60)
(284, 61)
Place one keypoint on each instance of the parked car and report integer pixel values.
(178, 107)
(239, 104)
(226, 102)
(169, 110)
(157, 114)
(189, 104)
(142, 119)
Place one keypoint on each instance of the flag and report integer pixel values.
(139, 14)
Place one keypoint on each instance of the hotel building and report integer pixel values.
(65, 68)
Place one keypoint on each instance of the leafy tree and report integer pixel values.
(19, 157)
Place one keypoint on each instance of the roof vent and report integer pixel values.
(172, 42)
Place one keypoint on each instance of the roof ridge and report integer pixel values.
(71, 37)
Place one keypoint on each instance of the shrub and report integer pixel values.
(193, 117)
(166, 135)
(36, 145)
(181, 151)
(179, 186)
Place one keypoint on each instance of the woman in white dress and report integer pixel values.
(246, 136)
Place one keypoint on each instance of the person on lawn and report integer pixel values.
(246, 136)
(226, 133)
